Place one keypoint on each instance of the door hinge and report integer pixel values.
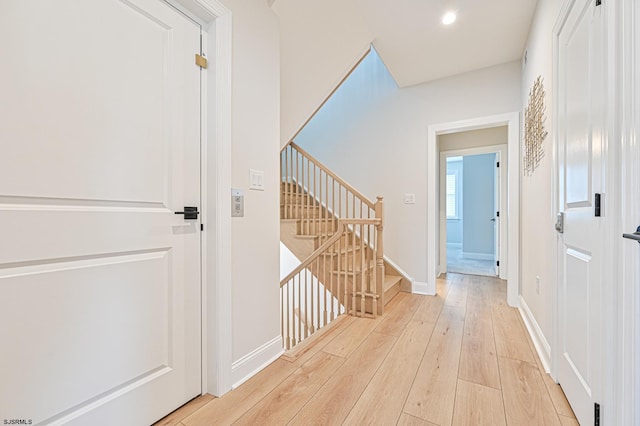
(201, 61)
(498, 164)
(598, 2)
(497, 263)
(202, 226)
(560, 222)
(497, 214)
(596, 414)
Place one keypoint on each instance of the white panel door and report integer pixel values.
(99, 279)
(581, 147)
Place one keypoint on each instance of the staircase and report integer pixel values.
(337, 234)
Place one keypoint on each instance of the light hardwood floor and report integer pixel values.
(462, 357)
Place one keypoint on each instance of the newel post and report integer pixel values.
(379, 210)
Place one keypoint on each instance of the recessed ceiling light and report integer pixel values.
(449, 18)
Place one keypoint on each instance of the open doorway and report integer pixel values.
(472, 233)
(510, 199)
(472, 212)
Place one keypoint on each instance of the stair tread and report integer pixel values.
(390, 281)
(317, 235)
(305, 205)
(341, 251)
(289, 220)
(351, 271)
(306, 237)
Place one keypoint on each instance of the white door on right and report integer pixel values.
(581, 147)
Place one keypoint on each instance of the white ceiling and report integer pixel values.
(416, 47)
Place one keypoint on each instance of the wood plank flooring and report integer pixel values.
(462, 357)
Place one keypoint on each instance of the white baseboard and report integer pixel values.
(539, 341)
(418, 287)
(253, 362)
(477, 256)
(396, 267)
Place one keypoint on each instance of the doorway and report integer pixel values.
(510, 176)
(471, 226)
(484, 152)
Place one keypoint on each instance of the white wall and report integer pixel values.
(374, 135)
(538, 217)
(321, 41)
(255, 132)
(478, 205)
(288, 261)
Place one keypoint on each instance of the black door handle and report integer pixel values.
(634, 236)
(190, 213)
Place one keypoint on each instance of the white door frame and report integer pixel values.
(512, 121)
(501, 151)
(628, 321)
(215, 186)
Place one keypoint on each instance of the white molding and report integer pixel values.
(253, 362)
(512, 253)
(454, 245)
(405, 277)
(626, 347)
(399, 269)
(555, 198)
(216, 264)
(477, 256)
(537, 336)
(418, 287)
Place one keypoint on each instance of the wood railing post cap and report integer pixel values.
(379, 198)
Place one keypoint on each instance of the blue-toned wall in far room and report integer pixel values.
(478, 206)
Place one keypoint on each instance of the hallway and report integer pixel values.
(462, 357)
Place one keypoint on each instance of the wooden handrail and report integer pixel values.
(328, 171)
(345, 272)
(320, 250)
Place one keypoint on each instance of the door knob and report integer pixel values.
(493, 219)
(634, 236)
(190, 213)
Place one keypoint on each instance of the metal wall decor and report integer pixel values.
(534, 131)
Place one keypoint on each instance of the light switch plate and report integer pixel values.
(256, 180)
(409, 198)
(237, 203)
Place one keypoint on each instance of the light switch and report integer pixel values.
(237, 203)
(409, 198)
(256, 180)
